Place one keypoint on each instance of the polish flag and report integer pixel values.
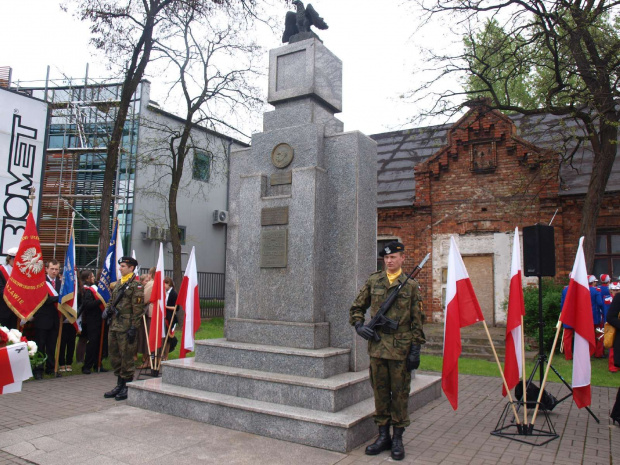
(189, 300)
(577, 313)
(513, 365)
(462, 309)
(157, 330)
(14, 367)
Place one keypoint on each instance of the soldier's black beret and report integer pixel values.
(129, 260)
(392, 247)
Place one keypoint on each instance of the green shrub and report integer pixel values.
(211, 303)
(552, 297)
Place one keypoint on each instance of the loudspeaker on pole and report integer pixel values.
(538, 250)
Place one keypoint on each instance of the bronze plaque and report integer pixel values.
(282, 155)
(285, 177)
(275, 215)
(273, 248)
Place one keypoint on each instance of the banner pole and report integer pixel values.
(148, 344)
(544, 381)
(499, 365)
(100, 345)
(523, 372)
(163, 347)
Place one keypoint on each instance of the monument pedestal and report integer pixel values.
(301, 241)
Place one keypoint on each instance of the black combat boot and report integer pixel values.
(383, 442)
(398, 449)
(122, 394)
(113, 392)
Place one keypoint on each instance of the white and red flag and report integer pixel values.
(157, 331)
(462, 309)
(14, 367)
(189, 300)
(25, 291)
(577, 313)
(513, 365)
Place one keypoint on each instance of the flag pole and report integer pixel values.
(163, 347)
(103, 323)
(60, 315)
(148, 344)
(499, 365)
(523, 372)
(544, 381)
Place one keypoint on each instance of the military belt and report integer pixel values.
(400, 329)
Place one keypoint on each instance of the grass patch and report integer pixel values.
(469, 366)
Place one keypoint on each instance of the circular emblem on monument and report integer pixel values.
(282, 155)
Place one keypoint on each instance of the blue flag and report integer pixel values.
(108, 273)
(67, 297)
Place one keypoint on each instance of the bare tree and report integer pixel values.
(127, 30)
(565, 53)
(213, 60)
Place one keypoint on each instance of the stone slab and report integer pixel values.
(328, 395)
(319, 363)
(305, 69)
(289, 334)
(341, 431)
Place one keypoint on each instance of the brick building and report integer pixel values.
(477, 180)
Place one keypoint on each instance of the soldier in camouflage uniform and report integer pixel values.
(123, 326)
(397, 353)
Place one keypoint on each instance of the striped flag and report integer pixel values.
(462, 309)
(14, 367)
(577, 313)
(189, 300)
(109, 273)
(513, 365)
(67, 297)
(157, 331)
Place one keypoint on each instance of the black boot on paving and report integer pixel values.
(122, 394)
(398, 449)
(113, 392)
(383, 442)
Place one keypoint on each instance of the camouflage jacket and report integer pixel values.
(130, 307)
(407, 310)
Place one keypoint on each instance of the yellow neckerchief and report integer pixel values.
(126, 278)
(392, 277)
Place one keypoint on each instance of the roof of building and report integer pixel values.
(398, 152)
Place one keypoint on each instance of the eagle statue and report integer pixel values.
(300, 21)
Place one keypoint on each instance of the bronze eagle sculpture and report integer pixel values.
(300, 21)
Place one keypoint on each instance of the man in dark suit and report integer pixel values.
(7, 317)
(47, 321)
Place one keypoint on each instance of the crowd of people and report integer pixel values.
(90, 345)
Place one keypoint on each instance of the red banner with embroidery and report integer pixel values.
(25, 291)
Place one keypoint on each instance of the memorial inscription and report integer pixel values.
(278, 179)
(273, 216)
(273, 248)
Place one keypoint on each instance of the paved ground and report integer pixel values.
(67, 421)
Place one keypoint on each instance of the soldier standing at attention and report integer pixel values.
(397, 353)
(125, 310)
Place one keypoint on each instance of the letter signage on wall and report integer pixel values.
(22, 136)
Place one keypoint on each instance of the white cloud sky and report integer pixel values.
(373, 39)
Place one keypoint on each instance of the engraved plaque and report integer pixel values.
(282, 155)
(275, 215)
(285, 177)
(273, 248)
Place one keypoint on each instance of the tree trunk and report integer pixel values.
(601, 170)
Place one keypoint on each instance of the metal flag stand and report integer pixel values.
(527, 434)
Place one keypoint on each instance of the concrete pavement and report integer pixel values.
(67, 420)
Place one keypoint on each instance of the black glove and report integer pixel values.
(104, 315)
(132, 333)
(413, 358)
(364, 331)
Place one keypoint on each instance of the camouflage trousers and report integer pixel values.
(391, 383)
(121, 354)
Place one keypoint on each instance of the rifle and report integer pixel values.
(380, 319)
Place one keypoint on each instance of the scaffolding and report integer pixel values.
(81, 120)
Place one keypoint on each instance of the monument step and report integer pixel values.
(340, 431)
(328, 395)
(313, 363)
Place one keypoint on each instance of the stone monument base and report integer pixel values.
(312, 399)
